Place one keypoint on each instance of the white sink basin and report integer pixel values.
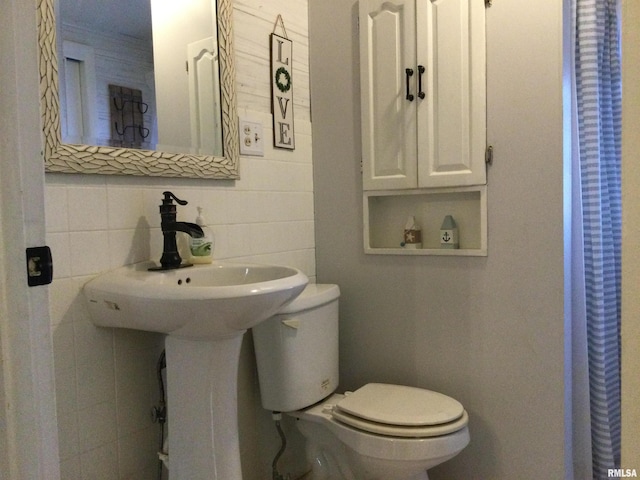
(219, 300)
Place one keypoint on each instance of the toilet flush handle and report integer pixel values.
(291, 323)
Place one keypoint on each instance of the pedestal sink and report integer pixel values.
(205, 311)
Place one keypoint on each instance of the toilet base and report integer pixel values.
(326, 465)
(309, 476)
(331, 459)
(336, 451)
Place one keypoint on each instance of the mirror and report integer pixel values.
(122, 159)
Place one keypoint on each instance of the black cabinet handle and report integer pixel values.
(409, 74)
(421, 70)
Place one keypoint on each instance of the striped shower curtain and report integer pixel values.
(599, 112)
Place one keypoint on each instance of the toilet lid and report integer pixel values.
(422, 431)
(399, 405)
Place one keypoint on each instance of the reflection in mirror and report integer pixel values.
(186, 65)
(117, 117)
(115, 56)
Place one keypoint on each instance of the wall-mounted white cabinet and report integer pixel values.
(423, 100)
(423, 93)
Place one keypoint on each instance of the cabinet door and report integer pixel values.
(451, 117)
(387, 49)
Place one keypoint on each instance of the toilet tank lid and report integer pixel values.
(313, 295)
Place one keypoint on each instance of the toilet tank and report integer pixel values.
(297, 350)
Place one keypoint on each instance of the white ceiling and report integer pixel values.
(128, 17)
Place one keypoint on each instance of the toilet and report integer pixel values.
(377, 432)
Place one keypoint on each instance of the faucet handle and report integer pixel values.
(169, 197)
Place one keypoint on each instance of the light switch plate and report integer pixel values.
(251, 140)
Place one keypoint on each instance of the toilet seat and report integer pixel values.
(401, 431)
(400, 411)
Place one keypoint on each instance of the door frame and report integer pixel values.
(29, 440)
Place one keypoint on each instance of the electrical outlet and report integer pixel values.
(251, 141)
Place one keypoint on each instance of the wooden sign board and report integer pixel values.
(282, 92)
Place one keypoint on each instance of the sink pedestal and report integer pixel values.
(202, 408)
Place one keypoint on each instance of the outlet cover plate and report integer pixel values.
(251, 139)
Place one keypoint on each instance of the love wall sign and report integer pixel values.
(282, 92)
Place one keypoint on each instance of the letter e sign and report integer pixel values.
(282, 92)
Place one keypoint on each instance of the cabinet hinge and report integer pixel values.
(488, 155)
(488, 3)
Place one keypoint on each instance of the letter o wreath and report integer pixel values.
(283, 87)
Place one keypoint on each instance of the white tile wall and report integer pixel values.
(105, 379)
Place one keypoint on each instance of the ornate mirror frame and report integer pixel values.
(70, 158)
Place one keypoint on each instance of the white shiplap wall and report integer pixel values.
(258, 20)
(105, 379)
(119, 61)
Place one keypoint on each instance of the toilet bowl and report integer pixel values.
(377, 432)
(339, 450)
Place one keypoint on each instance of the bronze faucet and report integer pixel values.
(170, 257)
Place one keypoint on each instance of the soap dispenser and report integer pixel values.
(202, 248)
